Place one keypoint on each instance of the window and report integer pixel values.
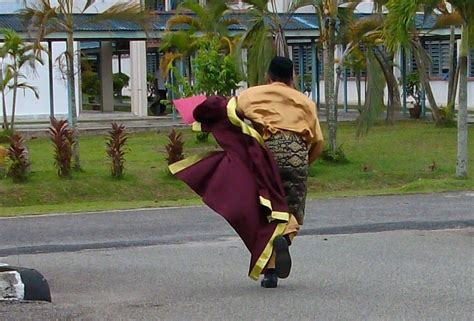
(438, 51)
(158, 5)
(307, 63)
(151, 63)
(352, 72)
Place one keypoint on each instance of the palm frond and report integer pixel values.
(129, 12)
(260, 5)
(360, 28)
(183, 20)
(25, 86)
(399, 23)
(88, 4)
(449, 19)
(166, 62)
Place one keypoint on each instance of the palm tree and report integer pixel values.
(208, 21)
(367, 31)
(400, 32)
(43, 18)
(263, 39)
(15, 54)
(331, 14)
(462, 15)
(405, 11)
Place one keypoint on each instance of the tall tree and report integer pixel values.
(461, 15)
(403, 12)
(400, 32)
(331, 15)
(192, 22)
(263, 39)
(17, 55)
(44, 18)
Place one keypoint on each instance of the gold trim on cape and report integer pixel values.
(234, 119)
(267, 253)
(187, 162)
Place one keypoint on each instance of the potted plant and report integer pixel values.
(413, 88)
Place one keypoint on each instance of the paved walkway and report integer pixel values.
(99, 123)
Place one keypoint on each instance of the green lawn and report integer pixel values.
(390, 160)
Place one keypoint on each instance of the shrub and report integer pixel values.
(338, 157)
(447, 118)
(19, 159)
(3, 161)
(174, 148)
(116, 149)
(90, 83)
(5, 136)
(202, 137)
(119, 81)
(63, 141)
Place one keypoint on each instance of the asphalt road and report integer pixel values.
(370, 258)
(75, 232)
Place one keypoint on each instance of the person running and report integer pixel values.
(288, 123)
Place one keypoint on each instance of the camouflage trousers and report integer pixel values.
(291, 155)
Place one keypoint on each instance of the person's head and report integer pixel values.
(281, 70)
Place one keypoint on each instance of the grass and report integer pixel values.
(390, 160)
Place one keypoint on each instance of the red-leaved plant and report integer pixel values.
(116, 148)
(63, 141)
(19, 159)
(174, 149)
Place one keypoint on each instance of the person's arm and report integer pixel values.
(243, 104)
(317, 144)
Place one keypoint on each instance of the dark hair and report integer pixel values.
(281, 69)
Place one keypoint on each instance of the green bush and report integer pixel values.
(90, 83)
(447, 118)
(5, 136)
(120, 80)
(3, 161)
(338, 157)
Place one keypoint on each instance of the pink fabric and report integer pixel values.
(186, 106)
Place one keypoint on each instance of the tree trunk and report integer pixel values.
(392, 86)
(452, 70)
(15, 90)
(359, 94)
(455, 87)
(461, 165)
(72, 99)
(330, 96)
(4, 102)
(425, 81)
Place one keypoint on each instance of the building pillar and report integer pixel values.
(138, 78)
(314, 68)
(301, 71)
(106, 76)
(50, 79)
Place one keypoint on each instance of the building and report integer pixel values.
(121, 48)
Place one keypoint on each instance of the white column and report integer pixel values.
(106, 81)
(138, 78)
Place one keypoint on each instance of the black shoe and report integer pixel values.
(282, 257)
(270, 279)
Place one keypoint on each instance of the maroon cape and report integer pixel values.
(241, 182)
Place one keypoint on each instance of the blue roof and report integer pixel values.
(83, 23)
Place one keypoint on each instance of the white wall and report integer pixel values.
(10, 6)
(28, 105)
